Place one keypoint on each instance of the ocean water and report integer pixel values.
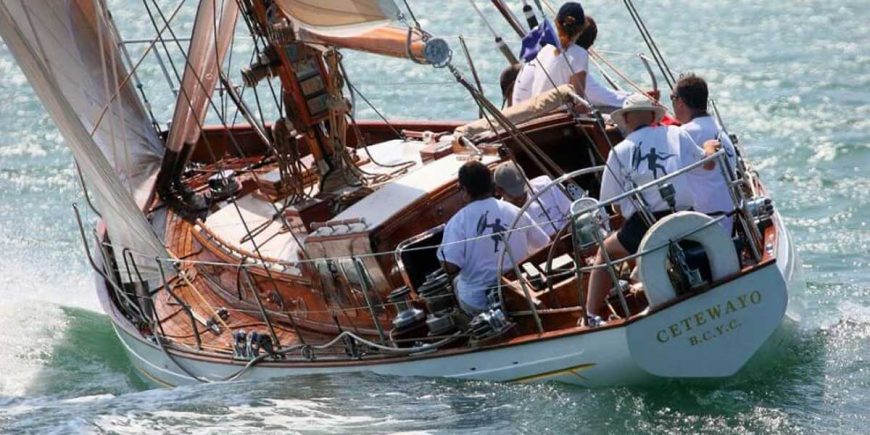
(791, 78)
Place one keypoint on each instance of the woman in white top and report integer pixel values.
(568, 64)
(596, 93)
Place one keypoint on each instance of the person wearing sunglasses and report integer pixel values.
(690, 102)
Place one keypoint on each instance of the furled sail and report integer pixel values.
(339, 18)
(70, 55)
(387, 41)
(362, 25)
(212, 34)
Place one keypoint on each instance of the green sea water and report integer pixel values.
(791, 78)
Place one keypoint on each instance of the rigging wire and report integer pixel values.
(655, 45)
(360, 138)
(651, 44)
(131, 74)
(473, 69)
(232, 138)
(411, 13)
(378, 112)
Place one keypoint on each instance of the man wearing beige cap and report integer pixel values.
(649, 152)
(549, 211)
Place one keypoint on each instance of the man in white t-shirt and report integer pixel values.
(711, 189)
(522, 90)
(551, 210)
(648, 153)
(474, 237)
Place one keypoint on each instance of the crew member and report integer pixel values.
(648, 152)
(710, 187)
(474, 237)
(522, 87)
(506, 81)
(555, 66)
(550, 210)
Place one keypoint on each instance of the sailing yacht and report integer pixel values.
(306, 243)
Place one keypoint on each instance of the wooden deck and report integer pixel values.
(194, 290)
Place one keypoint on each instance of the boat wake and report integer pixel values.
(81, 381)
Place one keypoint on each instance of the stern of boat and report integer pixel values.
(712, 334)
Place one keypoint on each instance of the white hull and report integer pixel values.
(750, 309)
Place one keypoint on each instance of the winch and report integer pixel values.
(408, 316)
(410, 321)
(437, 291)
(248, 345)
(761, 209)
(587, 227)
(223, 185)
(489, 324)
(441, 323)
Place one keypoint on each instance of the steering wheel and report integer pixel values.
(523, 209)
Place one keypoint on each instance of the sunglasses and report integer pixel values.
(675, 97)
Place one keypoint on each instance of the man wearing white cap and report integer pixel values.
(549, 211)
(648, 153)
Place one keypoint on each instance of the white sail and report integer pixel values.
(70, 55)
(340, 18)
(209, 44)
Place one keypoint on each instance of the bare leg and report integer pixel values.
(599, 280)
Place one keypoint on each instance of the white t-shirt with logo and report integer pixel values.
(558, 67)
(472, 242)
(645, 155)
(523, 83)
(709, 187)
(556, 209)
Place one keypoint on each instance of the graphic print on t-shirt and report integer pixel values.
(550, 214)
(496, 227)
(652, 160)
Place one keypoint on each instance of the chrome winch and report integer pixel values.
(437, 291)
(223, 185)
(489, 324)
(588, 228)
(760, 208)
(408, 316)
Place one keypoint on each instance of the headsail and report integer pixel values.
(70, 56)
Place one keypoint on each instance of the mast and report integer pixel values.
(302, 37)
(213, 31)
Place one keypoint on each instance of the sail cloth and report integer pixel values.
(386, 41)
(361, 25)
(339, 18)
(212, 35)
(71, 58)
(532, 108)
